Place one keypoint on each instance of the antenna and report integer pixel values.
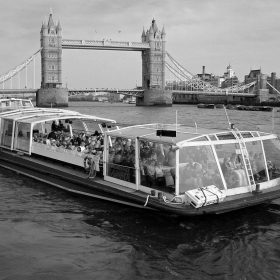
(229, 123)
(272, 120)
(176, 121)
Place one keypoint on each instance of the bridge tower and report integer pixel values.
(153, 68)
(51, 92)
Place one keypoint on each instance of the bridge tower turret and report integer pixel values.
(153, 67)
(51, 92)
(153, 60)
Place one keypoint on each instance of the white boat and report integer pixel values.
(165, 167)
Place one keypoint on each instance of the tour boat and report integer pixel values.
(171, 168)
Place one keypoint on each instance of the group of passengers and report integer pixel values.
(81, 142)
(122, 152)
(199, 169)
(153, 157)
(235, 163)
(157, 164)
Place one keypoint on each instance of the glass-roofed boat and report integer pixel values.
(167, 167)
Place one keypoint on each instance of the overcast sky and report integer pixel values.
(198, 32)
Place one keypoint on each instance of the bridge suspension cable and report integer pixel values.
(273, 87)
(196, 83)
(16, 70)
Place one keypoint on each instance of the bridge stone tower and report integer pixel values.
(153, 68)
(51, 92)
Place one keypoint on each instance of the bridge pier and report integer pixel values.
(52, 97)
(155, 97)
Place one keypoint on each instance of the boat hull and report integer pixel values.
(68, 181)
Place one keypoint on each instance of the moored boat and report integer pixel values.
(166, 167)
(206, 106)
(255, 108)
(219, 106)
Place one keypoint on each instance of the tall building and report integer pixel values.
(209, 78)
(230, 78)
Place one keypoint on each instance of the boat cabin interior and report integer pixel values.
(231, 160)
(58, 134)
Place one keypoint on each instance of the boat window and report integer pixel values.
(232, 165)
(22, 136)
(256, 159)
(198, 168)
(225, 136)
(264, 133)
(7, 129)
(77, 125)
(272, 153)
(213, 137)
(92, 126)
(121, 159)
(246, 134)
(203, 138)
(255, 134)
(26, 103)
(157, 165)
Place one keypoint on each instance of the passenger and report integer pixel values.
(171, 157)
(60, 126)
(160, 180)
(226, 168)
(52, 135)
(160, 158)
(54, 126)
(207, 179)
(197, 174)
(82, 147)
(233, 161)
(153, 155)
(214, 174)
(151, 171)
(187, 181)
(118, 157)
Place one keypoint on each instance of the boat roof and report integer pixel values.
(184, 133)
(9, 104)
(38, 115)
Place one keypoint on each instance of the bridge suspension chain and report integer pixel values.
(16, 70)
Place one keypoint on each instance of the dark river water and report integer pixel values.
(46, 233)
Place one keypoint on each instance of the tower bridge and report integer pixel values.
(156, 90)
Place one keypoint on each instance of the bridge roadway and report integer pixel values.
(131, 92)
(105, 44)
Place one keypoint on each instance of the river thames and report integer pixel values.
(47, 233)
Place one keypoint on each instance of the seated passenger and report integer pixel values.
(226, 168)
(197, 174)
(187, 181)
(160, 180)
(171, 157)
(207, 179)
(233, 161)
(151, 171)
(52, 135)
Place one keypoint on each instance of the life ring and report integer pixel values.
(234, 180)
(87, 163)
